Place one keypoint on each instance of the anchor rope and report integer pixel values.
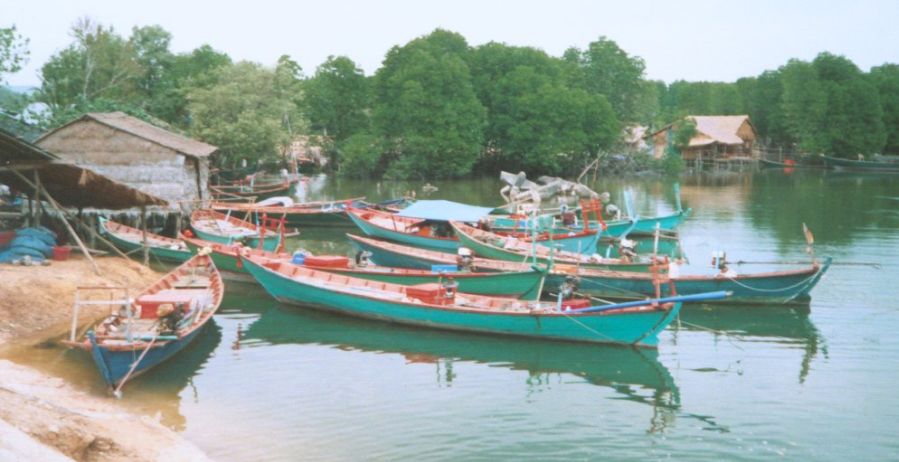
(800, 283)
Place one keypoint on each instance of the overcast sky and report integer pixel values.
(691, 40)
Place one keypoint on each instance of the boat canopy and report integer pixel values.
(441, 210)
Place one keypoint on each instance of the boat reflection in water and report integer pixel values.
(763, 323)
(635, 374)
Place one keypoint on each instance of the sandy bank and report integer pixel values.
(44, 418)
(81, 426)
(36, 301)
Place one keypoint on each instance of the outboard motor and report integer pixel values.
(449, 288)
(464, 259)
(626, 249)
(569, 286)
(362, 258)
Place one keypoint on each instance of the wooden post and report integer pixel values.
(143, 228)
(63, 213)
(37, 199)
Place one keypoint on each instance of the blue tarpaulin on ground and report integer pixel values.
(441, 210)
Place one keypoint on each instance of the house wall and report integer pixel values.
(139, 163)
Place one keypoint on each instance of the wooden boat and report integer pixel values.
(439, 235)
(386, 253)
(491, 245)
(321, 213)
(251, 188)
(883, 166)
(223, 228)
(130, 241)
(776, 287)
(642, 226)
(436, 306)
(156, 325)
(526, 283)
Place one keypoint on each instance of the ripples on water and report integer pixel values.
(270, 382)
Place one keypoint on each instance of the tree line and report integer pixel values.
(441, 108)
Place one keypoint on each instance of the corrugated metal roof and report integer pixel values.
(147, 131)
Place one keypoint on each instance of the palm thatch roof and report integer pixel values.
(68, 184)
(134, 126)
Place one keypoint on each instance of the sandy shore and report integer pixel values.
(44, 418)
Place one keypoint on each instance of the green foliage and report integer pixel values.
(337, 98)
(684, 132)
(242, 113)
(886, 79)
(610, 71)
(361, 156)
(672, 163)
(99, 64)
(13, 50)
(426, 110)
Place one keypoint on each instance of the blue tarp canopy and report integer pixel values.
(445, 211)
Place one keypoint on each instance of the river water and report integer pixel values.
(274, 382)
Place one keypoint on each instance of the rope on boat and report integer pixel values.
(798, 284)
(588, 328)
(727, 335)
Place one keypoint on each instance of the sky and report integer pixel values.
(679, 40)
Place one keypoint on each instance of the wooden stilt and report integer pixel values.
(143, 228)
(37, 199)
(62, 212)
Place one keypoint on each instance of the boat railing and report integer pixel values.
(112, 296)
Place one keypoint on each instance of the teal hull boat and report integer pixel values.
(130, 241)
(779, 287)
(861, 165)
(213, 226)
(524, 284)
(400, 256)
(644, 226)
(431, 306)
(490, 245)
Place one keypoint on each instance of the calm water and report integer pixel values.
(272, 382)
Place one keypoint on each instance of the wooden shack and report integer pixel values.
(141, 155)
(717, 138)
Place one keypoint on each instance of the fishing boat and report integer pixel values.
(775, 287)
(306, 214)
(154, 326)
(881, 166)
(425, 224)
(442, 307)
(224, 228)
(131, 240)
(386, 253)
(491, 245)
(526, 283)
(251, 187)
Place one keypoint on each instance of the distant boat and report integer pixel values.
(156, 325)
(441, 307)
(882, 166)
(226, 229)
(491, 245)
(425, 224)
(252, 188)
(776, 287)
(320, 213)
(130, 240)
(526, 283)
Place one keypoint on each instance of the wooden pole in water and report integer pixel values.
(143, 228)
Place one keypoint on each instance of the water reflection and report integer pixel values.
(635, 374)
(157, 392)
(772, 324)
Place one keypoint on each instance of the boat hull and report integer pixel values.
(645, 226)
(632, 328)
(770, 288)
(860, 165)
(270, 242)
(161, 253)
(114, 365)
(442, 245)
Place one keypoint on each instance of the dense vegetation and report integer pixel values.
(439, 107)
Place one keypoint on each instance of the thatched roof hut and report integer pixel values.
(141, 155)
(716, 137)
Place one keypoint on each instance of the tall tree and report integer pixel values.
(886, 79)
(100, 64)
(337, 98)
(610, 71)
(13, 50)
(241, 113)
(426, 108)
